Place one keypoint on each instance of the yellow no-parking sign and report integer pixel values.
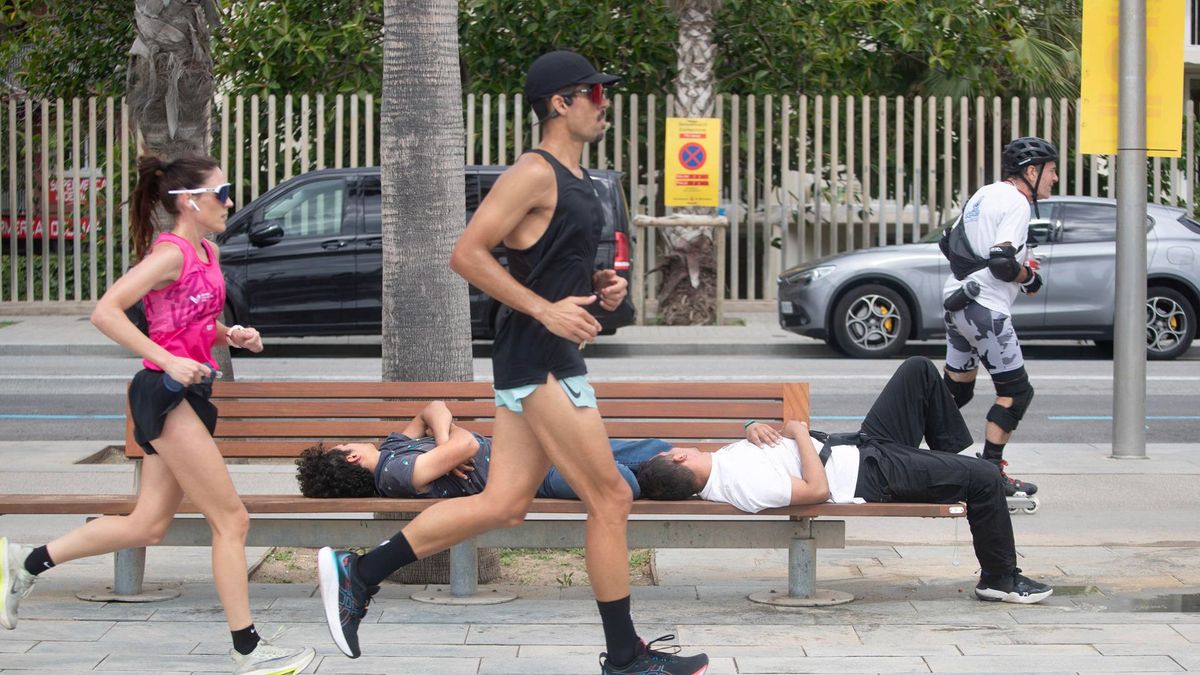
(1165, 25)
(693, 162)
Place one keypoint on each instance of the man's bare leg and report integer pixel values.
(575, 441)
(347, 581)
(517, 468)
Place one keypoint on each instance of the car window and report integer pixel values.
(1088, 222)
(311, 210)
(484, 182)
(370, 191)
(473, 194)
(604, 188)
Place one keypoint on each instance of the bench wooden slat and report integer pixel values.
(610, 409)
(334, 430)
(483, 390)
(290, 449)
(262, 504)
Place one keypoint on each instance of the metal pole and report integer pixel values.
(1129, 330)
(802, 568)
(464, 569)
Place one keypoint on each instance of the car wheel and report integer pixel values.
(871, 322)
(1170, 323)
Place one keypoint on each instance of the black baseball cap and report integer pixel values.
(559, 69)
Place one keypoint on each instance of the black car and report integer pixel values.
(306, 257)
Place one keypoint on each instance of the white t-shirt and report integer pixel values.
(752, 478)
(995, 214)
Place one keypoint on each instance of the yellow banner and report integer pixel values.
(1165, 25)
(693, 162)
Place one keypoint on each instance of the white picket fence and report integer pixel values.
(803, 176)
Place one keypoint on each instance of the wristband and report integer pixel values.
(748, 423)
(229, 331)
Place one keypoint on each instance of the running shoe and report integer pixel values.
(15, 582)
(270, 659)
(1015, 588)
(652, 661)
(344, 597)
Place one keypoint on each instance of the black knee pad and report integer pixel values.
(1021, 391)
(962, 392)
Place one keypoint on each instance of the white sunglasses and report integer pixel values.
(222, 191)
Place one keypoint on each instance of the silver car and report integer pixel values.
(869, 303)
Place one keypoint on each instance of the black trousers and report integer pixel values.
(916, 405)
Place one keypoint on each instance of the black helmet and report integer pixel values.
(1026, 151)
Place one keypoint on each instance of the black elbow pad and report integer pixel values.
(1002, 263)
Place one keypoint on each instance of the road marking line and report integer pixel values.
(17, 416)
(1059, 418)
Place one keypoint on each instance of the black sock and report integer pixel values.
(245, 640)
(620, 637)
(375, 565)
(38, 561)
(993, 451)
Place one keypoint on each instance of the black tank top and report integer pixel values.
(559, 265)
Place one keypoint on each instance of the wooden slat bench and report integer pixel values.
(279, 419)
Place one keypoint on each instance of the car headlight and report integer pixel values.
(808, 275)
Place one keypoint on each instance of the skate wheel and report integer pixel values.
(1032, 508)
(1012, 510)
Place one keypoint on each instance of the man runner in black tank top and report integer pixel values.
(546, 212)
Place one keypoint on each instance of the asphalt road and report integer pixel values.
(82, 398)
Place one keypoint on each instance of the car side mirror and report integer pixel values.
(1040, 231)
(266, 234)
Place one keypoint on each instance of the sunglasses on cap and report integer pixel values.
(595, 92)
(222, 191)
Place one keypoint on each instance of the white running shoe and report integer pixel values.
(269, 659)
(15, 582)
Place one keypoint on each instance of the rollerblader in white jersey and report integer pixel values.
(990, 263)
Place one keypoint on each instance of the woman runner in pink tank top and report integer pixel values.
(179, 281)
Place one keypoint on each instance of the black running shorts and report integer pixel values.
(150, 401)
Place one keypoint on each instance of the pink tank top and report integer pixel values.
(183, 316)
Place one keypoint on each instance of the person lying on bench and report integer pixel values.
(433, 457)
(880, 463)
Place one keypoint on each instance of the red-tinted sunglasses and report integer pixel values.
(595, 92)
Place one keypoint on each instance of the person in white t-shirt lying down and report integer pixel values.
(880, 463)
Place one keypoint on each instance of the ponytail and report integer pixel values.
(155, 181)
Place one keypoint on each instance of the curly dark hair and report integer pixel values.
(661, 478)
(327, 474)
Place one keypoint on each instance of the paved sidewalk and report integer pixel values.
(914, 613)
(912, 578)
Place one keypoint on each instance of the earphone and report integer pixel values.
(194, 207)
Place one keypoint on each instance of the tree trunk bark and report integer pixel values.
(170, 86)
(688, 292)
(170, 81)
(426, 324)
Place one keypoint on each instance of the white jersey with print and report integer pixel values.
(752, 478)
(995, 214)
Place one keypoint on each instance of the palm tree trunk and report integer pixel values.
(688, 292)
(170, 80)
(426, 325)
(170, 86)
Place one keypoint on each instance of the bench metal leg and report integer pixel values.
(464, 577)
(802, 581)
(129, 567)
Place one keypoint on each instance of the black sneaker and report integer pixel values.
(658, 662)
(1016, 588)
(344, 597)
(1012, 486)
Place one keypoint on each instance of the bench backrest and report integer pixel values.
(279, 419)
